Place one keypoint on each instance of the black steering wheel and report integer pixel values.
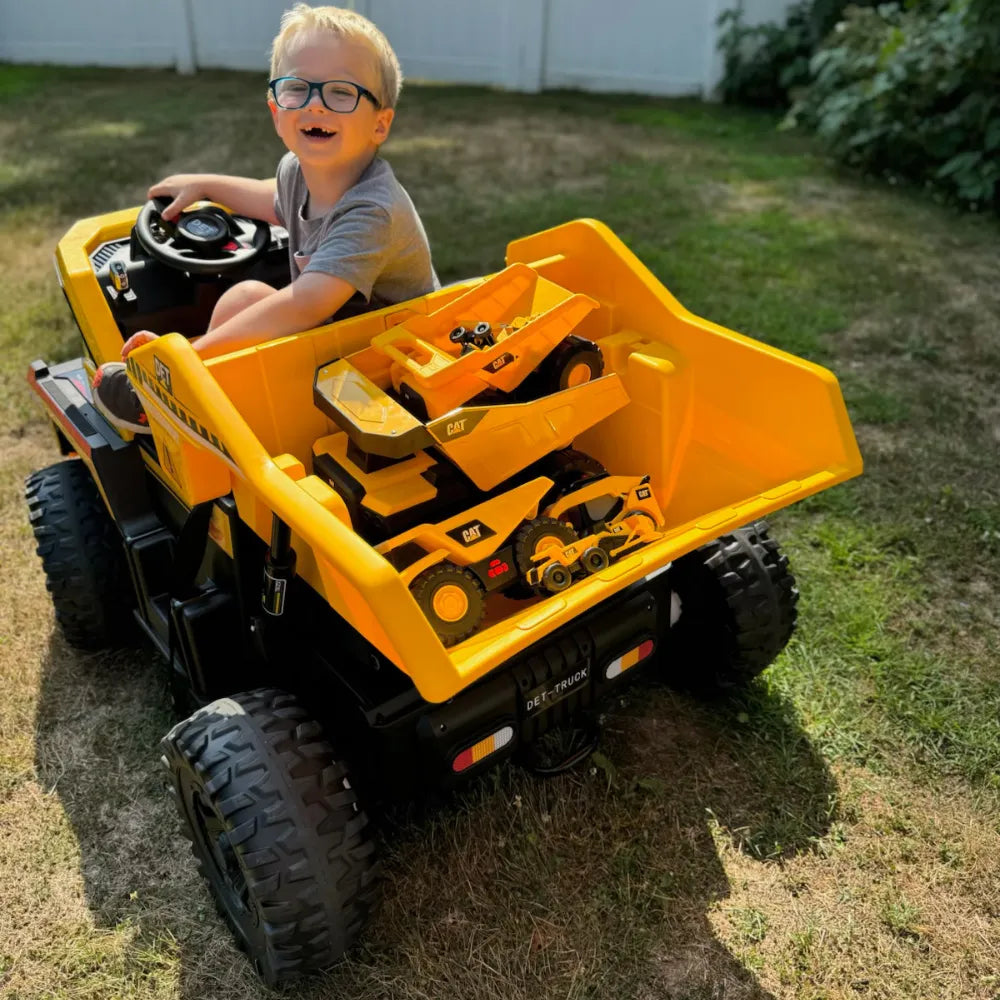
(204, 240)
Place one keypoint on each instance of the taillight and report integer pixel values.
(629, 659)
(475, 753)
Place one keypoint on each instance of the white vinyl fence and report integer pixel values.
(666, 47)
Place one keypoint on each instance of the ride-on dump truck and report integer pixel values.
(391, 552)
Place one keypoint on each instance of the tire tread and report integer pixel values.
(293, 820)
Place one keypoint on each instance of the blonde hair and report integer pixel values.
(344, 24)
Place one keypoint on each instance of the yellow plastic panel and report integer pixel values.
(290, 466)
(500, 514)
(100, 332)
(736, 417)
(327, 496)
(490, 444)
(396, 487)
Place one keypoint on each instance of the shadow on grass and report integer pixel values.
(597, 883)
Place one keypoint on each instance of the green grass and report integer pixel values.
(830, 832)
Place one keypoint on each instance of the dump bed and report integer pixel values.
(727, 428)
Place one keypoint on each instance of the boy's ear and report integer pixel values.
(273, 108)
(383, 122)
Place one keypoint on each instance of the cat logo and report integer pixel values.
(471, 533)
(643, 493)
(497, 363)
(162, 374)
(455, 427)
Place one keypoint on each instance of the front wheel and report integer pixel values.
(453, 600)
(534, 537)
(82, 556)
(276, 828)
(737, 610)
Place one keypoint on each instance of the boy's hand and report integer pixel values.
(137, 340)
(185, 189)
(241, 195)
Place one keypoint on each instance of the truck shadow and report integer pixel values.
(601, 882)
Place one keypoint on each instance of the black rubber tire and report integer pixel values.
(276, 828)
(738, 609)
(528, 536)
(555, 369)
(427, 583)
(569, 469)
(595, 560)
(556, 578)
(82, 556)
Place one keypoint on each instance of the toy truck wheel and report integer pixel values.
(453, 600)
(276, 829)
(570, 469)
(573, 362)
(737, 610)
(82, 556)
(556, 578)
(595, 559)
(537, 534)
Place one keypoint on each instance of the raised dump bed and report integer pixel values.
(726, 428)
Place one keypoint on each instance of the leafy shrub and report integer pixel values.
(765, 63)
(913, 93)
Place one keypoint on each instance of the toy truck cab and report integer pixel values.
(446, 526)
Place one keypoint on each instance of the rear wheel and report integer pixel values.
(737, 610)
(452, 598)
(573, 362)
(533, 537)
(82, 556)
(595, 559)
(276, 828)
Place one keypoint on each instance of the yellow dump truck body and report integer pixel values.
(727, 428)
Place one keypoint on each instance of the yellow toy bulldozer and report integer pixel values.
(388, 553)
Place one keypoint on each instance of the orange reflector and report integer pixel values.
(483, 748)
(630, 659)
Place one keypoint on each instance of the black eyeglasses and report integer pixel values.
(342, 96)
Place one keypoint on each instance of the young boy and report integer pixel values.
(353, 231)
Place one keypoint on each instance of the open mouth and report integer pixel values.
(318, 132)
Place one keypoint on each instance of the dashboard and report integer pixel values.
(143, 293)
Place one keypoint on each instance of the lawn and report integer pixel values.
(832, 832)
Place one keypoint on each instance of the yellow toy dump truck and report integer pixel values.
(390, 552)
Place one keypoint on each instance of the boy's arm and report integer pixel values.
(303, 304)
(242, 195)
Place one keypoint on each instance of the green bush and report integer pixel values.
(765, 63)
(913, 93)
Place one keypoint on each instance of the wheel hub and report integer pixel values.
(450, 603)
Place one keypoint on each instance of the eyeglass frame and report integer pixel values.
(316, 87)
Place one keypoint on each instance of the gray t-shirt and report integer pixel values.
(372, 238)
